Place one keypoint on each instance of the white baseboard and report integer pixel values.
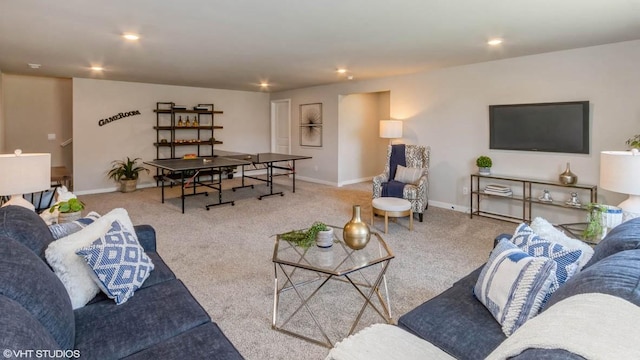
(443, 205)
(355, 181)
(317, 181)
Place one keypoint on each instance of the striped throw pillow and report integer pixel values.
(513, 284)
(408, 175)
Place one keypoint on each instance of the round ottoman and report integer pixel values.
(391, 207)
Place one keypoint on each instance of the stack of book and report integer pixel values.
(496, 189)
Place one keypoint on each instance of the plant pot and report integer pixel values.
(128, 185)
(69, 217)
(324, 239)
(484, 170)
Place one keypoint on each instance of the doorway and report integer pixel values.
(281, 126)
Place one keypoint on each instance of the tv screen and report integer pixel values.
(549, 127)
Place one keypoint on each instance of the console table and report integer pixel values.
(523, 193)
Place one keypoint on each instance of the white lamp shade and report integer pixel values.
(390, 129)
(620, 172)
(24, 173)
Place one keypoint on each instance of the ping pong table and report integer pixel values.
(190, 169)
(269, 160)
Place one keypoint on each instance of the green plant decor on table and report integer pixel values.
(484, 162)
(304, 238)
(126, 170)
(594, 228)
(72, 205)
(634, 142)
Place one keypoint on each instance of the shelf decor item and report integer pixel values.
(567, 177)
(573, 201)
(546, 196)
(356, 233)
(484, 164)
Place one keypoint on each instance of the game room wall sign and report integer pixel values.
(118, 116)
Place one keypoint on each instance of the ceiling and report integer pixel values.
(292, 43)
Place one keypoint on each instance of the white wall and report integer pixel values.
(361, 154)
(245, 121)
(448, 110)
(33, 107)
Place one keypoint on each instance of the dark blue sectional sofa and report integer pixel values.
(456, 322)
(162, 320)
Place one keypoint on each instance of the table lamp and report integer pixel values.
(390, 129)
(620, 172)
(24, 174)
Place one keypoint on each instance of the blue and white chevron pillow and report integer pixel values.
(513, 284)
(566, 259)
(118, 261)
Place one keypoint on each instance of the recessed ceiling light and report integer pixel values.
(342, 71)
(350, 77)
(264, 84)
(494, 42)
(97, 68)
(131, 36)
(35, 66)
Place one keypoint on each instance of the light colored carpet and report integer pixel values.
(224, 256)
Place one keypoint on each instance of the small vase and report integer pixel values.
(484, 170)
(567, 177)
(324, 239)
(356, 233)
(69, 217)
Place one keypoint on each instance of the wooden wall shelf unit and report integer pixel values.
(190, 139)
(524, 195)
(167, 118)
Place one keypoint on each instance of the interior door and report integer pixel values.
(281, 126)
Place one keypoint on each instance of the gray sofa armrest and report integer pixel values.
(146, 236)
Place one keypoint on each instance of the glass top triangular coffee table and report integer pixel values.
(303, 273)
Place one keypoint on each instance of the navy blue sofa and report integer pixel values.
(456, 322)
(162, 320)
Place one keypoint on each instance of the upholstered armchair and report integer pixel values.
(409, 181)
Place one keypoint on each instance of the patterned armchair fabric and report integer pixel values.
(416, 156)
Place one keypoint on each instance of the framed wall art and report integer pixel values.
(311, 125)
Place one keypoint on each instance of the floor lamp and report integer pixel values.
(390, 129)
(24, 174)
(620, 172)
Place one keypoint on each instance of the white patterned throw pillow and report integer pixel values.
(513, 284)
(566, 259)
(546, 230)
(408, 175)
(119, 263)
(71, 269)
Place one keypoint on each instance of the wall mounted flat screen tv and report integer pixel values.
(549, 127)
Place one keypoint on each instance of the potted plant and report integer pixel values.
(69, 210)
(318, 232)
(126, 172)
(594, 230)
(634, 142)
(484, 164)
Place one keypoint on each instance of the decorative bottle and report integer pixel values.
(180, 121)
(187, 123)
(567, 177)
(356, 233)
(195, 122)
